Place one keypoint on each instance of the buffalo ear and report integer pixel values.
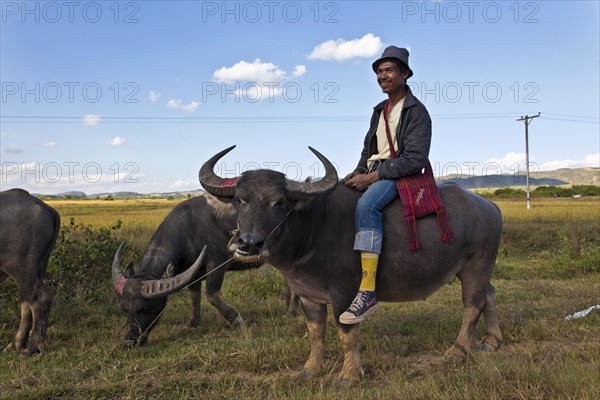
(170, 272)
(129, 272)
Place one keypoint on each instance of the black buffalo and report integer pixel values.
(193, 224)
(28, 230)
(306, 230)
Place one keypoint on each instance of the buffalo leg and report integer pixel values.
(291, 302)
(40, 309)
(214, 281)
(22, 335)
(474, 302)
(196, 301)
(316, 322)
(493, 337)
(349, 336)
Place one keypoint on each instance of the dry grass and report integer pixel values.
(585, 209)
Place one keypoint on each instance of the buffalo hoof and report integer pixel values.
(488, 344)
(346, 383)
(349, 377)
(12, 347)
(29, 352)
(456, 354)
(237, 321)
(307, 373)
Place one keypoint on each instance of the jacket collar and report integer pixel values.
(409, 101)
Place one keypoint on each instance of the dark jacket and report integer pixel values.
(413, 136)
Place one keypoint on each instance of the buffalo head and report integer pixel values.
(263, 199)
(144, 299)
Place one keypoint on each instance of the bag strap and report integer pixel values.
(399, 182)
(428, 168)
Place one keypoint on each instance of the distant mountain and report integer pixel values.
(564, 176)
(65, 195)
(497, 181)
(117, 195)
(134, 195)
(574, 176)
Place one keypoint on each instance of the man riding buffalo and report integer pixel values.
(377, 171)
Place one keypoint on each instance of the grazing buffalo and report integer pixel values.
(28, 230)
(193, 224)
(306, 230)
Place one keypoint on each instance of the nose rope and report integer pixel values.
(205, 275)
(185, 287)
(279, 224)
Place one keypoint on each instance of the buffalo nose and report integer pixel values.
(248, 242)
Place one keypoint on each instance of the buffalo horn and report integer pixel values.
(118, 279)
(151, 289)
(218, 186)
(212, 183)
(311, 190)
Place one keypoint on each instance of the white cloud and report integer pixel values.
(509, 164)
(256, 71)
(257, 80)
(153, 96)
(590, 160)
(177, 104)
(13, 150)
(174, 103)
(343, 50)
(516, 162)
(50, 145)
(116, 141)
(55, 178)
(190, 107)
(299, 70)
(187, 184)
(91, 119)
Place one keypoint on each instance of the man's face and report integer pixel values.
(389, 77)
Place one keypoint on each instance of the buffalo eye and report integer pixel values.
(240, 202)
(277, 203)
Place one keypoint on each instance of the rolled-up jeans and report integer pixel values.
(368, 219)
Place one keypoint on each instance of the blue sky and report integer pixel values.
(136, 95)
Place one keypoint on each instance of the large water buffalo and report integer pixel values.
(306, 230)
(28, 230)
(191, 225)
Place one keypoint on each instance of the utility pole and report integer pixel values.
(526, 119)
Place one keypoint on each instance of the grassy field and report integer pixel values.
(548, 268)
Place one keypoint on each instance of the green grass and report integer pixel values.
(541, 278)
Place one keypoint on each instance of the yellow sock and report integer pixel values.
(369, 270)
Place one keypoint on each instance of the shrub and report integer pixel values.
(555, 191)
(509, 193)
(79, 268)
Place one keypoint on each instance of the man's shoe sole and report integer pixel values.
(351, 320)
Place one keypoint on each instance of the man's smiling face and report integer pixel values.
(390, 78)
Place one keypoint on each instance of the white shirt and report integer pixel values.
(383, 147)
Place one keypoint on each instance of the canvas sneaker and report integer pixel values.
(362, 306)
